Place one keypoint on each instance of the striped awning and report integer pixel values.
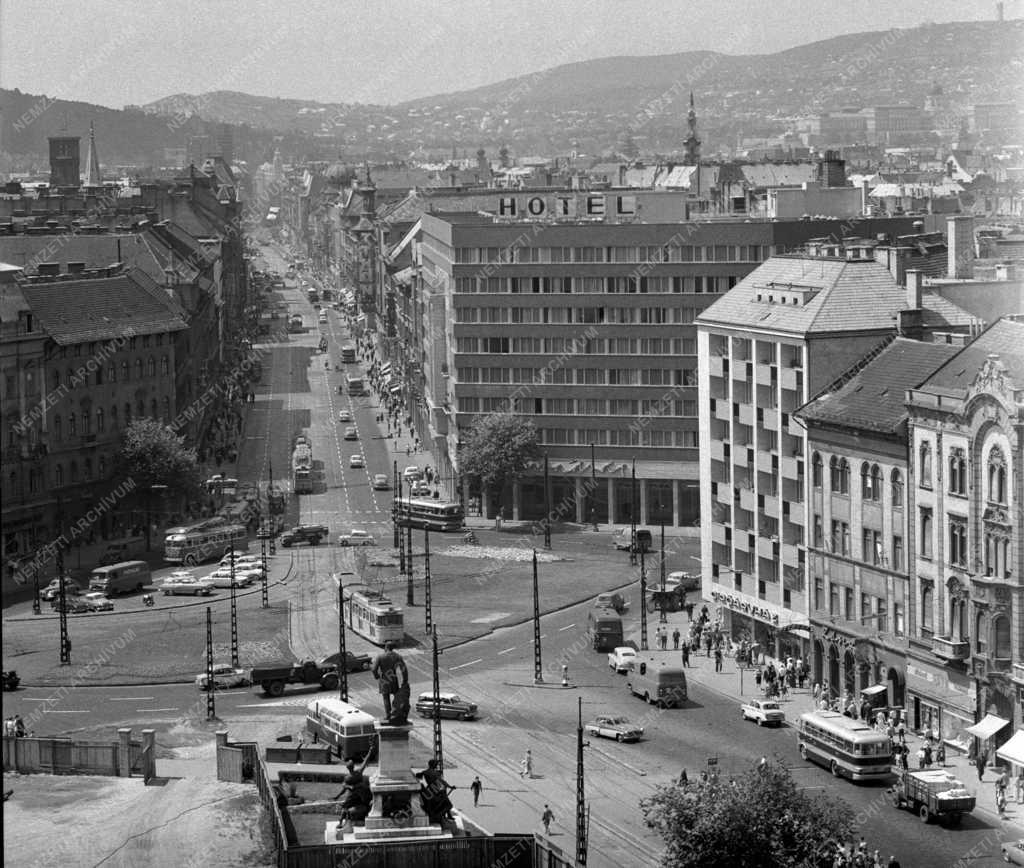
(395, 388)
(385, 369)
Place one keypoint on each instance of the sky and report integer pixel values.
(117, 52)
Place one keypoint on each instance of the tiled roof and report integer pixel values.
(940, 312)
(97, 309)
(839, 296)
(874, 397)
(1004, 338)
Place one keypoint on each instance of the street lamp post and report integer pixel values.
(643, 602)
(593, 488)
(632, 518)
(547, 505)
(663, 618)
(342, 651)
(538, 669)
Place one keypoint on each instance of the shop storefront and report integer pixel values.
(775, 632)
(940, 700)
(857, 664)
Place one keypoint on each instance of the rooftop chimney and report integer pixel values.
(913, 278)
(48, 269)
(960, 246)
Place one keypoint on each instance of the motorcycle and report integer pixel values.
(470, 538)
(147, 600)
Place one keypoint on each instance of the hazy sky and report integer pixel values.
(114, 52)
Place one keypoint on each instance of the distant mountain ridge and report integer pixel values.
(587, 106)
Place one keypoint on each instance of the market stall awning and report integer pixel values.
(875, 689)
(1013, 750)
(988, 727)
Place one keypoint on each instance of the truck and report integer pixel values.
(657, 682)
(271, 678)
(605, 628)
(932, 794)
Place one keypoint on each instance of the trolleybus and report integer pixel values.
(192, 544)
(847, 747)
(372, 615)
(347, 729)
(302, 468)
(424, 512)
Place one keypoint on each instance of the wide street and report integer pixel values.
(495, 670)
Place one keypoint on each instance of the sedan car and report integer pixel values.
(622, 659)
(351, 433)
(1013, 852)
(225, 676)
(613, 726)
(450, 705)
(72, 605)
(52, 590)
(412, 472)
(178, 583)
(356, 538)
(764, 712)
(380, 482)
(356, 461)
(241, 561)
(96, 601)
(344, 416)
(222, 578)
(353, 662)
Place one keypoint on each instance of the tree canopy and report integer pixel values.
(152, 454)
(763, 820)
(498, 448)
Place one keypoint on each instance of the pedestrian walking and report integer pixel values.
(817, 692)
(1019, 786)
(718, 659)
(686, 659)
(1002, 782)
(527, 765)
(927, 755)
(476, 788)
(982, 761)
(546, 818)
(758, 678)
(675, 639)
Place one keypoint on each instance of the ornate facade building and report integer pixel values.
(966, 652)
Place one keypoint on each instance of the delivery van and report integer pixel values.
(120, 578)
(658, 682)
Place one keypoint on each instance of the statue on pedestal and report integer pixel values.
(393, 682)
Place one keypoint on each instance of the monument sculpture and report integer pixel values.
(393, 682)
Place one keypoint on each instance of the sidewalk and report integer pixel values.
(733, 683)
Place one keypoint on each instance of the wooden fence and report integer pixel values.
(65, 756)
(236, 760)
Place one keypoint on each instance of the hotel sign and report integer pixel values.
(567, 206)
(746, 606)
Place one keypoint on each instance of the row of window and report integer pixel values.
(872, 549)
(584, 315)
(85, 423)
(995, 557)
(515, 254)
(998, 628)
(578, 406)
(871, 479)
(86, 473)
(625, 285)
(580, 376)
(956, 477)
(594, 346)
(874, 611)
(110, 375)
(632, 436)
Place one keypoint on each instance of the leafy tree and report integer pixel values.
(153, 455)
(762, 821)
(498, 448)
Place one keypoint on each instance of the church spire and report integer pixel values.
(691, 145)
(93, 178)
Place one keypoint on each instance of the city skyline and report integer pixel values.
(330, 54)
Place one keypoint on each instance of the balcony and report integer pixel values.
(723, 410)
(718, 450)
(716, 366)
(770, 418)
(789, 378)
(767, 549)
(748, 500)
(746, 416)
(720, 534)
(945, 648)
(771, 506)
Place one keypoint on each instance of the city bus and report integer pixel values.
(355, 386)
(348, 355)
(349, 730)
(427, 513)
(846, 746)
(372, 615)
(203, 541)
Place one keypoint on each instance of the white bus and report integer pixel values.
(192, 544)
(427, 513)
(349, 730)
(847, 747)
(372, 615)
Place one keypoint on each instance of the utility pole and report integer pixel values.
(399, 536)
(643, 602)
(538, 669)
(211, 702)
(429, 626)
(593, 488)
(409, 601)
(398, 491)
(581, 804)
(234, 611)
(632, 518)
(264, 590)
(547, 505)
(65, 640)
(438, 751)
(342, 655)
(37, 604)
(663, 618)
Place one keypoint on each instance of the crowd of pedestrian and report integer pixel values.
(859, 856)
(14, 727)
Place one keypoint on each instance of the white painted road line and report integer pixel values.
(65, 711)
(129, 698)
(463, 665)
(566, 627)
(506, 651)
(140, 710)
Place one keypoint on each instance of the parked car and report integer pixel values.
(380, 482)
(344, 416)
(356, 461)
(97, 601)
(52, 590)
(356, 538)
(412, 472)
(225, 676)
(72, 605)
(614, 726)
(222, 578)
(451, 705)
(764, 712)
(621, 659)
(118, 552)
(351, 433)
(624, 540)
(612, 601)
(353, 662)
(242, 561)
(1013, 852)
(185, 583)
(311, 533)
